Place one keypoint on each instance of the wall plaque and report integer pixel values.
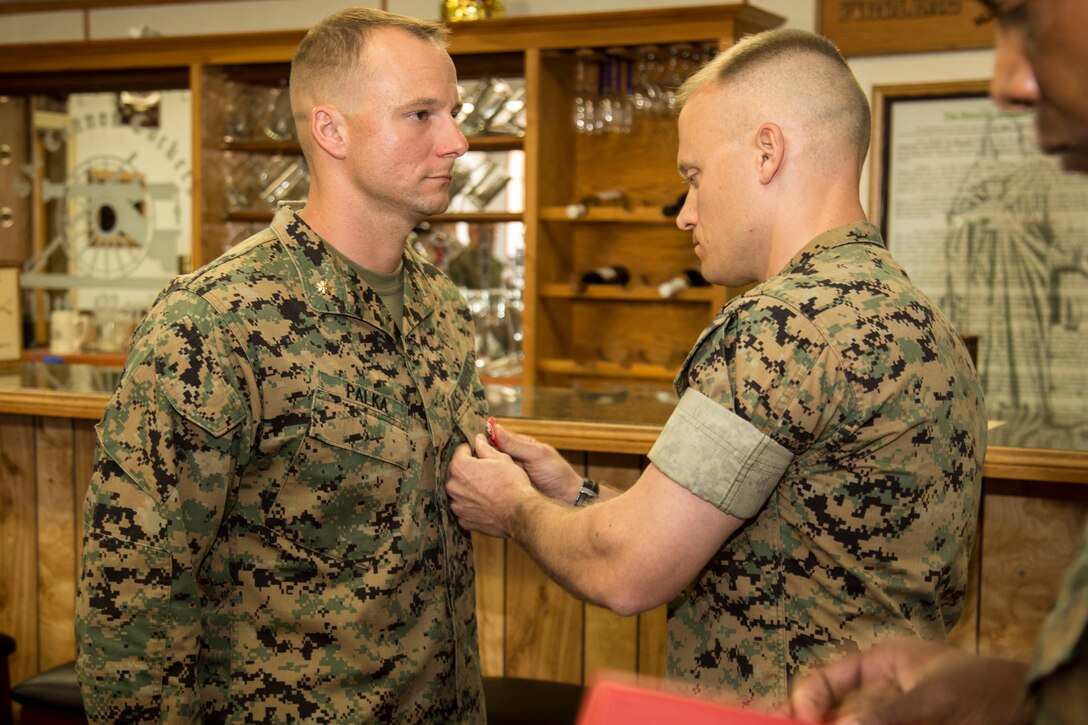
(878, 27)
(11, 335)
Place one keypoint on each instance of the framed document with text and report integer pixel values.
(993, 231)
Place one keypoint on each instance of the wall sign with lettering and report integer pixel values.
(878, 27)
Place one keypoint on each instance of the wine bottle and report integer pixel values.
(612, 274)
(609, 197)
(687, 278)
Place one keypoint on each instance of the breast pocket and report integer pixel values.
(342, 496)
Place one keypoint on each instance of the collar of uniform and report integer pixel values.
(329, 284)
(421, 289)
(862, 232)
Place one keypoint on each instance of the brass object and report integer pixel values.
(454, 11)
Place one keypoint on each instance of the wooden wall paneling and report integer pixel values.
(652, 642)
(56, 535)
(611, 641)
(85, 440)
(1031, 531)
(490, 556)
(18, 543)
(544, 624)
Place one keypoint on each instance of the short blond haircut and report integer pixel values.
(797, 68)
(330, 52)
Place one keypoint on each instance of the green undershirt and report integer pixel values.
(390, 287)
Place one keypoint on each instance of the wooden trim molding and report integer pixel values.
(10, 7)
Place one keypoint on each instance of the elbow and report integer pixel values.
(626, 593)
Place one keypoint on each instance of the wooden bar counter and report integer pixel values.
(1034, 505)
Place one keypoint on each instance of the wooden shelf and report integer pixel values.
(492, 217)
(261, 146)
(644, 293)
(252, 217)
(478, 216)
(102, 359)
(604, 369)
(495, 143)
(257, 146)
(609, 214)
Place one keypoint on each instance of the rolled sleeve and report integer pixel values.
(720, 457)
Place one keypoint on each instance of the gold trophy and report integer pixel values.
(454, 11)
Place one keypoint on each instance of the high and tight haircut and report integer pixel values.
(757, 52)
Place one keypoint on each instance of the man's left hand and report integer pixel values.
(485, 490)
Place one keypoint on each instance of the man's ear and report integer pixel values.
(771, 144)
(329, 131)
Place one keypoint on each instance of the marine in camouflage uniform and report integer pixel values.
(834, 408)
(266, 539)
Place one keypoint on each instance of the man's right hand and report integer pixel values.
(549, 472)
(913, 683)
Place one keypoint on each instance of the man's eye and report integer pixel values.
(420, 115)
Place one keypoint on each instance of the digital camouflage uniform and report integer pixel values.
(266, 534)
(836, 410)
(1059, 673)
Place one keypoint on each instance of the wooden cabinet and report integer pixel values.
(569, 337)
(604, 334)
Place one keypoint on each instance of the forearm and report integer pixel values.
(577, 547)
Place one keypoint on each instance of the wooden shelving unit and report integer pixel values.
(568, 336)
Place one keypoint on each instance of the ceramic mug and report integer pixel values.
(67, 329)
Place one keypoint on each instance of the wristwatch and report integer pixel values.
(588, 493)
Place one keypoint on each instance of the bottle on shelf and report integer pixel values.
(612, 274)
(686, 278)
(671, 210)
(608, 197)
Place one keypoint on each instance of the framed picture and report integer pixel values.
(993, 231)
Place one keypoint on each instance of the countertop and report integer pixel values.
(1025, 446)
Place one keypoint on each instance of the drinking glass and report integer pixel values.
(584, 103)
(490, 98)
(488, 187)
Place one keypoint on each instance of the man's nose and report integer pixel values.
(1013, 85)
(688, 217)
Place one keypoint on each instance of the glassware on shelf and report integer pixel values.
(678, 68)
(274, 119)
(509, 120)
(584, 103)
(238, 105)
(239, 175)
(621, 110)
(490, 97)
(291, 183)
(647, 96)
(493, 181)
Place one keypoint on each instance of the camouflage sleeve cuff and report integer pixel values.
(720, 457)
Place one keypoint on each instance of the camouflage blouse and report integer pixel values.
(266, 536)
(837, 411)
